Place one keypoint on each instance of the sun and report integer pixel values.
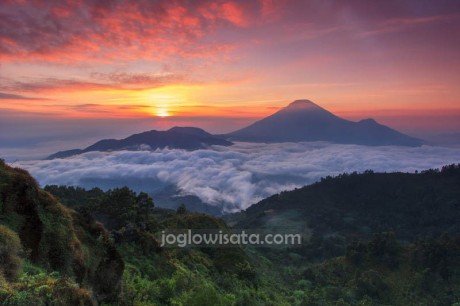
(161, 112)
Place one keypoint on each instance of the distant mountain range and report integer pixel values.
(188, 138)
(303, 120)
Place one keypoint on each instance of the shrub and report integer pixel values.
(47, 289)
(10, 246)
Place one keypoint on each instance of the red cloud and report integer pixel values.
(72, 31)
(234, 13)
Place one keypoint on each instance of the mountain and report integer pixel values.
(303, 120)
(188, 138)
(53, 255)
(338, 210)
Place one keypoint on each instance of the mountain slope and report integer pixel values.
(55, 238)
(338, 210)
(379, 271)
(188, 138)
(303, 120)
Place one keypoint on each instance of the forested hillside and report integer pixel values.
(53, 255)
(49, 253)
(369, 239)
(338, 210)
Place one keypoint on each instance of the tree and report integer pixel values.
(144, 206)
(181, 210)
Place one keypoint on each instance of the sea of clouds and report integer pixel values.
(238, 176)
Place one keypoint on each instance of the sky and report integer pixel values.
(72, 72)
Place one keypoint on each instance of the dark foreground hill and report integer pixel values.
(53, 255)
(39, 233)
(187, 138)
(303, 120)
(338, 210)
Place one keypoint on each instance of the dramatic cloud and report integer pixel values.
(220, 65)
(353, 55)
(238, 176)
(109, 31)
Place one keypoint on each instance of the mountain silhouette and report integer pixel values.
(303, 120)
(188, 138)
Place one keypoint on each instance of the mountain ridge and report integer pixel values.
(188, 138)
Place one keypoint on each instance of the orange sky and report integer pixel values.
(199, 62)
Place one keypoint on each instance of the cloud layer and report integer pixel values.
(238, 176)
(113, 30)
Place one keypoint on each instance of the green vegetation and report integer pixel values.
(338, 210)
(10, 262)
(370, 239)
(35, 228)
(38, 287)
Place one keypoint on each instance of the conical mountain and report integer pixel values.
(303, 120)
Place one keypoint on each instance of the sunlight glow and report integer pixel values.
(162, 113)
